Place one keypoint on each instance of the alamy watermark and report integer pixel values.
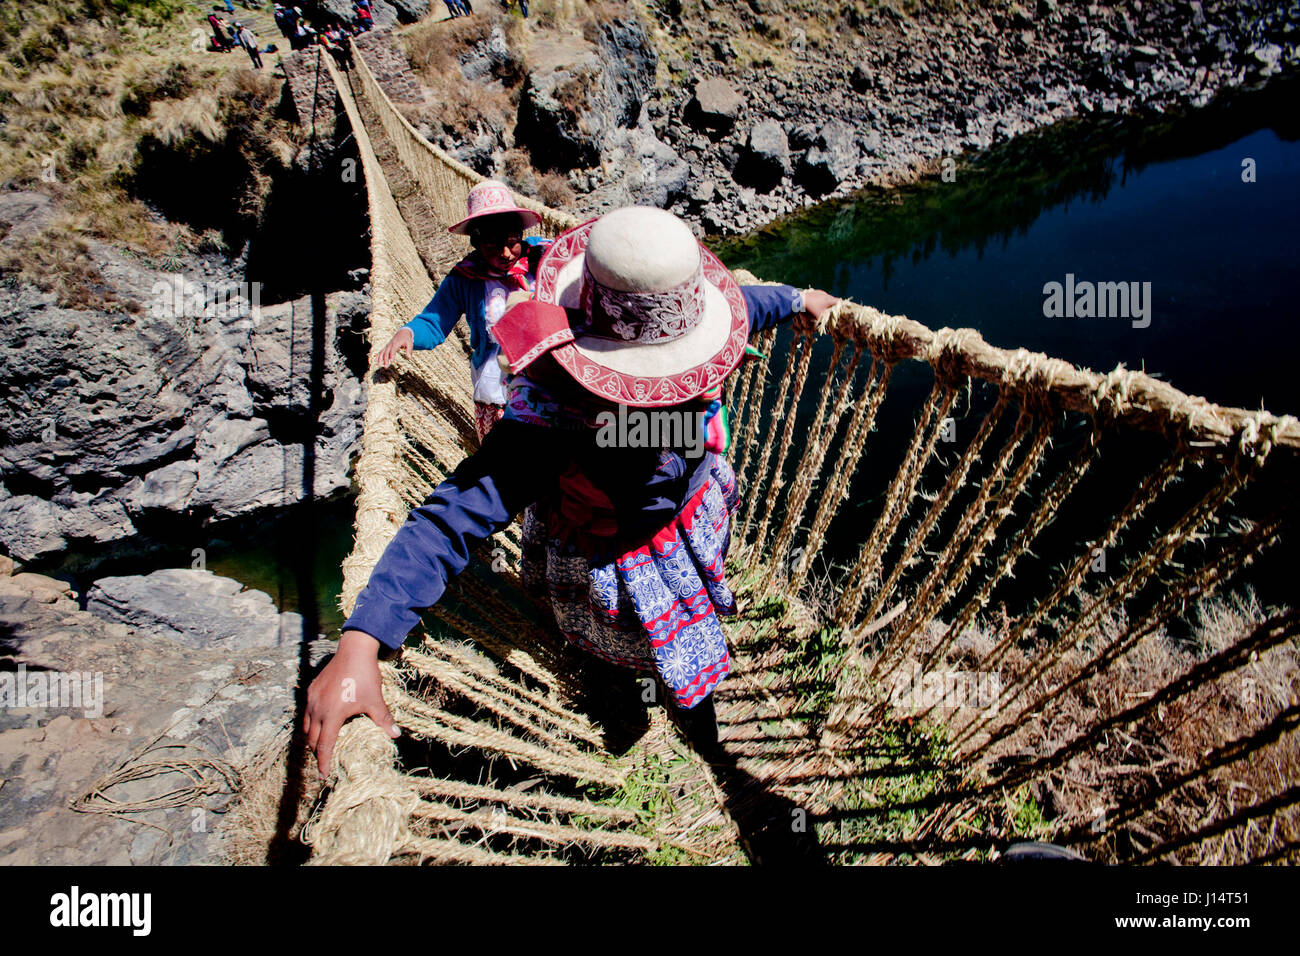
(652, 428)
(1101, 300)
(74, 909)
(228, 299)
(55, 690)
(916, 690)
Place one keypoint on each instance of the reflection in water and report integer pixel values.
(1112, 201)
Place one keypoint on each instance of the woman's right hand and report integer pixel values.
(348, 685)
(403, 340)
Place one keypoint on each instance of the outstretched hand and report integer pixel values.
(349, 685)
(403, 340)
(816, 302)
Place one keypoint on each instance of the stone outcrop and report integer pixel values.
(575, 102)
(198, 609)
(206, 405)
(714, 106)
(141, 698)
(765, 160)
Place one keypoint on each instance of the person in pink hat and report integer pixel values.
(614, 434)
(503, 261)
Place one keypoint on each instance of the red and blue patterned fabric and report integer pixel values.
(656, 607)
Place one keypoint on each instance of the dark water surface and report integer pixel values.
(1155, 201)
(295, 553)
(1161, 202)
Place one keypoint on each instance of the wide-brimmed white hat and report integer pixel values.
(656, 319)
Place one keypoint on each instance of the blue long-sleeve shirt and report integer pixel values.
(516, 465)
(457, 296)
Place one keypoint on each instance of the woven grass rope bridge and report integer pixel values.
(1040, 538)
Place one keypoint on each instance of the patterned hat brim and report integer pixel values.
(647, 374)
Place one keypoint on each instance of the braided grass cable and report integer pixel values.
(901, 492)
(846, 465)
(772, 492)
(921, 532)
(923, 607)
(820, 433)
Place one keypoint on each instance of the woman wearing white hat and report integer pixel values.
(632, 317)
(503, 261)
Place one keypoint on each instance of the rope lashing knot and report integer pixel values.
(1110, 400)
(884, 335)
(1033, 378)
(1258, 434)
(950, 353)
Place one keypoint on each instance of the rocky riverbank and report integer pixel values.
(158, 701)
(735, 113)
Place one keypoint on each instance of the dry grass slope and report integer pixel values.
(85, 83)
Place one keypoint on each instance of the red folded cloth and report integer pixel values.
(529, 330)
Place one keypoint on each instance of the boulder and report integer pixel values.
(31, 527)
(765, 161)
(714, 107)
(407, 11)
(165, 489)
(803, 137)
(645, 170)
(831, 160)
(198, 609)
(863, 77)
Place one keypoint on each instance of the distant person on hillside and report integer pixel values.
(365, 18)
(248, 40)
(220, 39)
(453, 8)
(339, 43)
(502, 262)
(281, 21)
(304, 37)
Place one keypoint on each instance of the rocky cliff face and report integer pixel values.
(203, 403)
(759, 108)
(888, 94)
(583, 112)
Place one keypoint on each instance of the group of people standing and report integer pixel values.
(294, 26)
(301, 34)
(226, 36)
